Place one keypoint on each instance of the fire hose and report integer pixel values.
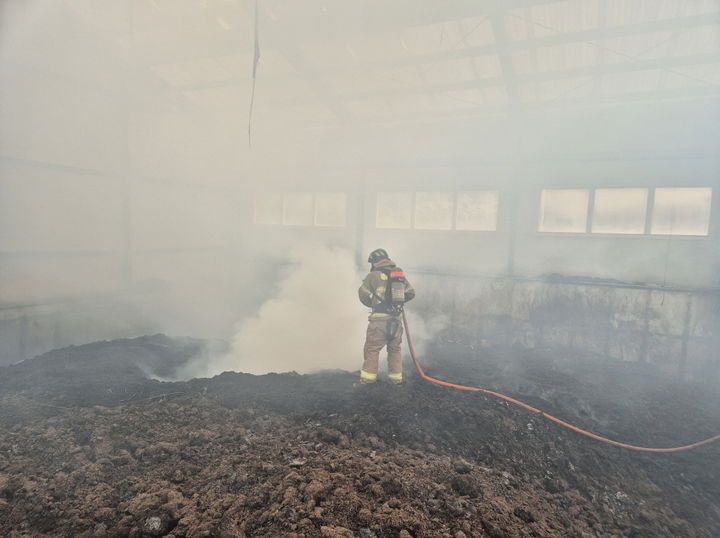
(542, 413)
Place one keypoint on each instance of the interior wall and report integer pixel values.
(58, 164)
(676, 331)
(113, 190)
(682, 260)
(669, 144)
(463, 252)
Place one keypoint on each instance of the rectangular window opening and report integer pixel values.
(681, 211)
(564, 210)
(394, 210)
(330, 209)
(298, 209)
(619, 211)
(477, 211)
(434, 210)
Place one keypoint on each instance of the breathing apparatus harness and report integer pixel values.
(393, 301)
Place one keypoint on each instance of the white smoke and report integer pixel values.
(423, 330)
(314, 322)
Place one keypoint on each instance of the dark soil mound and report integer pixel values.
(91, 447)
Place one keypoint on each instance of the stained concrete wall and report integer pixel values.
(28, 331)
(682, 260)
(676, 330)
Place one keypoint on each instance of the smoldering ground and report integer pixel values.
(421, 457)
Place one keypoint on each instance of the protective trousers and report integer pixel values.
(380, 333)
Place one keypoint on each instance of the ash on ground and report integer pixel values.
(91, 446)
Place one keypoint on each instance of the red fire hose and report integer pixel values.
(542, 413)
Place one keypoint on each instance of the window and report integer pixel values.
(434, 210)
(681, 211)
(466, 210)
(298, 209)
(268, 208)
(674, 211)
(330, 209)
(477, 211)
(394, 210)
(619, 211)
(301, 208)
(563, 210)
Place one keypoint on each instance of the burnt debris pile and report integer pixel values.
(92, 445)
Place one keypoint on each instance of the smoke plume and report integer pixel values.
(312, 322)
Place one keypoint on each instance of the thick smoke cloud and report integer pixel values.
(312, 322)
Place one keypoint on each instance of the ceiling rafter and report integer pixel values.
(307, 72)
(507, 66)
(590, 70)
(378, 24)
(600, 51)
(700, 93)
(170, 95)
(625, 30)
(328, 96)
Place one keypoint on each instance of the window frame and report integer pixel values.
(710, 215)
(644, 220)
(588, 210)
(313, 217)
(410, 226)
(649, 213)
(315, 210)
(498, 193)
(454, 209)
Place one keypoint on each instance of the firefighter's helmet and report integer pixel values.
(377, 255)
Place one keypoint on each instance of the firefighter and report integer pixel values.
(385, 290)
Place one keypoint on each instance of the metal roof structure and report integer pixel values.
(375, 60)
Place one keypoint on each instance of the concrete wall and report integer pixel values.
(676, 330)
(110, 186)
(28, 331)
(683, 260)
(518, 249)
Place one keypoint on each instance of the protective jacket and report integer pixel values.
(374, 287)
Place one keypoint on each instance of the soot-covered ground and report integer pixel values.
(89, 446)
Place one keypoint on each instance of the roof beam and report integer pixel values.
(591, 70)
(625, 67)
(309, 73)
(304, 69)
(144, 76)
(601, 32)
(373, 17)
(19, 162)
(701, 93)
(367, 20)
(506, 64)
